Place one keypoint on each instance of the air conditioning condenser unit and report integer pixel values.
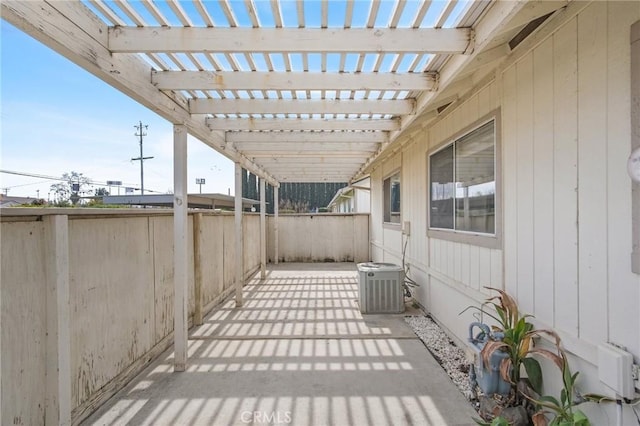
(380, 288)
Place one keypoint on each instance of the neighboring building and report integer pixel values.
(9, 201)
(354, 198)
(195, 201)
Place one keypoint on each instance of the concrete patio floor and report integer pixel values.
(298, 352)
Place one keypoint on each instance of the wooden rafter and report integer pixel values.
(207, 80)
(230, 124)
(293, 106)
(288, 40)
(307, 137)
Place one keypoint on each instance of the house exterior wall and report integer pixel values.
(386, 244)
(345, 205)
(359, 201)
(564, 104)
(362, 202)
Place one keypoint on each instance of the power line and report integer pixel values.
(60, 179)
(141, 133)
(10, 172)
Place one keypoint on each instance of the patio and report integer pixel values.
(297, 352)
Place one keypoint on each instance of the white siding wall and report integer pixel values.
(386, 240)
(568, 222)
(565, 109)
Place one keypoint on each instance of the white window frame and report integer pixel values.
(493, 241)
(386, 203)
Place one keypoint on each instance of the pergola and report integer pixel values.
(289, 90)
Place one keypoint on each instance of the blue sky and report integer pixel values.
(57, 118)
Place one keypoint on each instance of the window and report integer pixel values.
(462, 177)
(391, 190)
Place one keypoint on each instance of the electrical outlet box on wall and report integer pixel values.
(615, 370)
(406, 228)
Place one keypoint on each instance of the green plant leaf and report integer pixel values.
(499, 421)
(534, 372)
(580, 419)
(549, 402)
(597, 398)
(567, 378)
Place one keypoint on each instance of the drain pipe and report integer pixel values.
(619, 412)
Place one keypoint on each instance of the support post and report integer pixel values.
(197, 266)
(180, 249)
(276, 202)
(58, 346)
(263, 231)
(238, 225)
(635, 144)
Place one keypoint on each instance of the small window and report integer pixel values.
(391, 191)
(462, 179)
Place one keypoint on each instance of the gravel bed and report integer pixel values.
(449, 356)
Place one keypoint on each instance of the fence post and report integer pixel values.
(58, 340)
(238, 227)
(263, 231)
(197, 264)
(180, 249)
(275, 225)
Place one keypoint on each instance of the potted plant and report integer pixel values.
(512, 339)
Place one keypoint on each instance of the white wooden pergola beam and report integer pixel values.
(73, 31)
(274, 80)
(235, 124)
(300, 106)
(289, 40)
(319, 168)
(318, 178)
(311, 148)
(284, 161)
(533, 10)
(326, 155)
(280, 138)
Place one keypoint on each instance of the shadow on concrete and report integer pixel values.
(298, 352)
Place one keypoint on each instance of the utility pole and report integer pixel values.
(141, 133)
